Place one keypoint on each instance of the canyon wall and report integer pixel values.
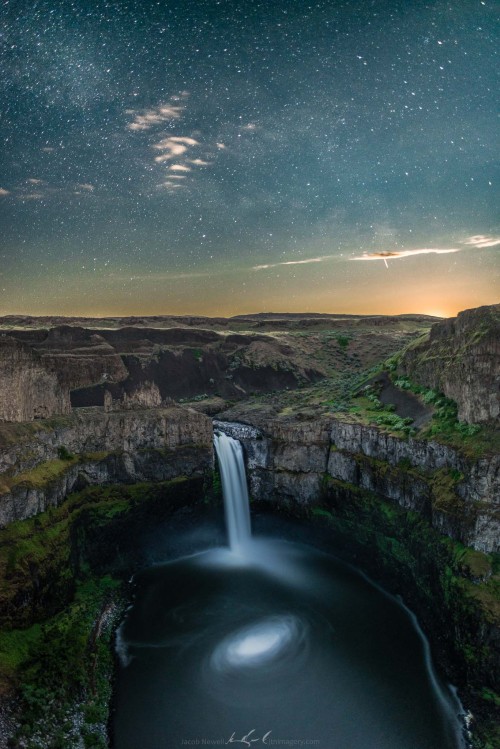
(28, 388)
(292, 463)
(41, 463)
(460, 357)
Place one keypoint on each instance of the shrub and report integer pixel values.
(64, 453)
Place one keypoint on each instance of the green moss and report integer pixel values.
(15, 647)
(433, 573)
(42, 556)
(476, 563)
(43, 474)
(66, 664)
(321, 512)
(445, 498)
(54, 564)
(473, 440)
(490, 696)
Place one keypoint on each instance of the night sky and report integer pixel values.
(233, 156)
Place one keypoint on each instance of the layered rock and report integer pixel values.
(40, 464)
(28, 389)
(461, 358)
(289, 463)
(79, 357)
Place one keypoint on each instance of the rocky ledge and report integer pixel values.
(459, 357)
(290, 462)
(42, 462)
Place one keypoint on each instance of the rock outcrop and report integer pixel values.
(79, 357)
(289, 462)
(28, 389)
(460, 357)
(40, 464)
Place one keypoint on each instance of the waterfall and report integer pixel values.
(234, 491)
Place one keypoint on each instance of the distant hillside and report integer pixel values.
(144, 361)
(238, 322)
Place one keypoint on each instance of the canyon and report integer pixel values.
(92, 410)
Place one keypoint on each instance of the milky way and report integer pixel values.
(234, 156)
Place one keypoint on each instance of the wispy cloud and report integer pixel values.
(4, 192)
(32, 196)
(170, 148)
(482, 240)
(86, 186)
(147, 118)
(294, 262)
(33, 181)
(180, 168)
(164, 277)
(169, 185)
(398, 254)
(173, 146)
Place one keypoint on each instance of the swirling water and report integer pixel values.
(280, 646)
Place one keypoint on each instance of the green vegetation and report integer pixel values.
(473, 439)
(368, 409)
(400, 549)
(67, 566)
(44, 555)
(43, 474)
(67, 663)
(64, 453)
(343, 341)
(198, 354)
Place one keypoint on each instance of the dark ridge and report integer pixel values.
(164, 336)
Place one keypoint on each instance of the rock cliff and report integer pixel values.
(289, 462)
(28, 389)
(79, 357)
(460, 357)
(40, 464)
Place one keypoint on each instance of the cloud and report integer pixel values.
(164, 277)
(32, 196)
(397, 254)
(294, 262)
(48, 149)
(86, 186)
(34, 181)
(4, 192)
(147, 118)
(481, 240)
(174, 146)
(169, 185)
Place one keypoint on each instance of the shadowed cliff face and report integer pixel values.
(28, 388)
(460, 357)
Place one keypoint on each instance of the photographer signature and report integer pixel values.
(248, 740)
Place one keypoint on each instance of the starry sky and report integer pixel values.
(231, 156)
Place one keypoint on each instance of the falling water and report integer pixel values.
(274, 643)
(234, 490)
